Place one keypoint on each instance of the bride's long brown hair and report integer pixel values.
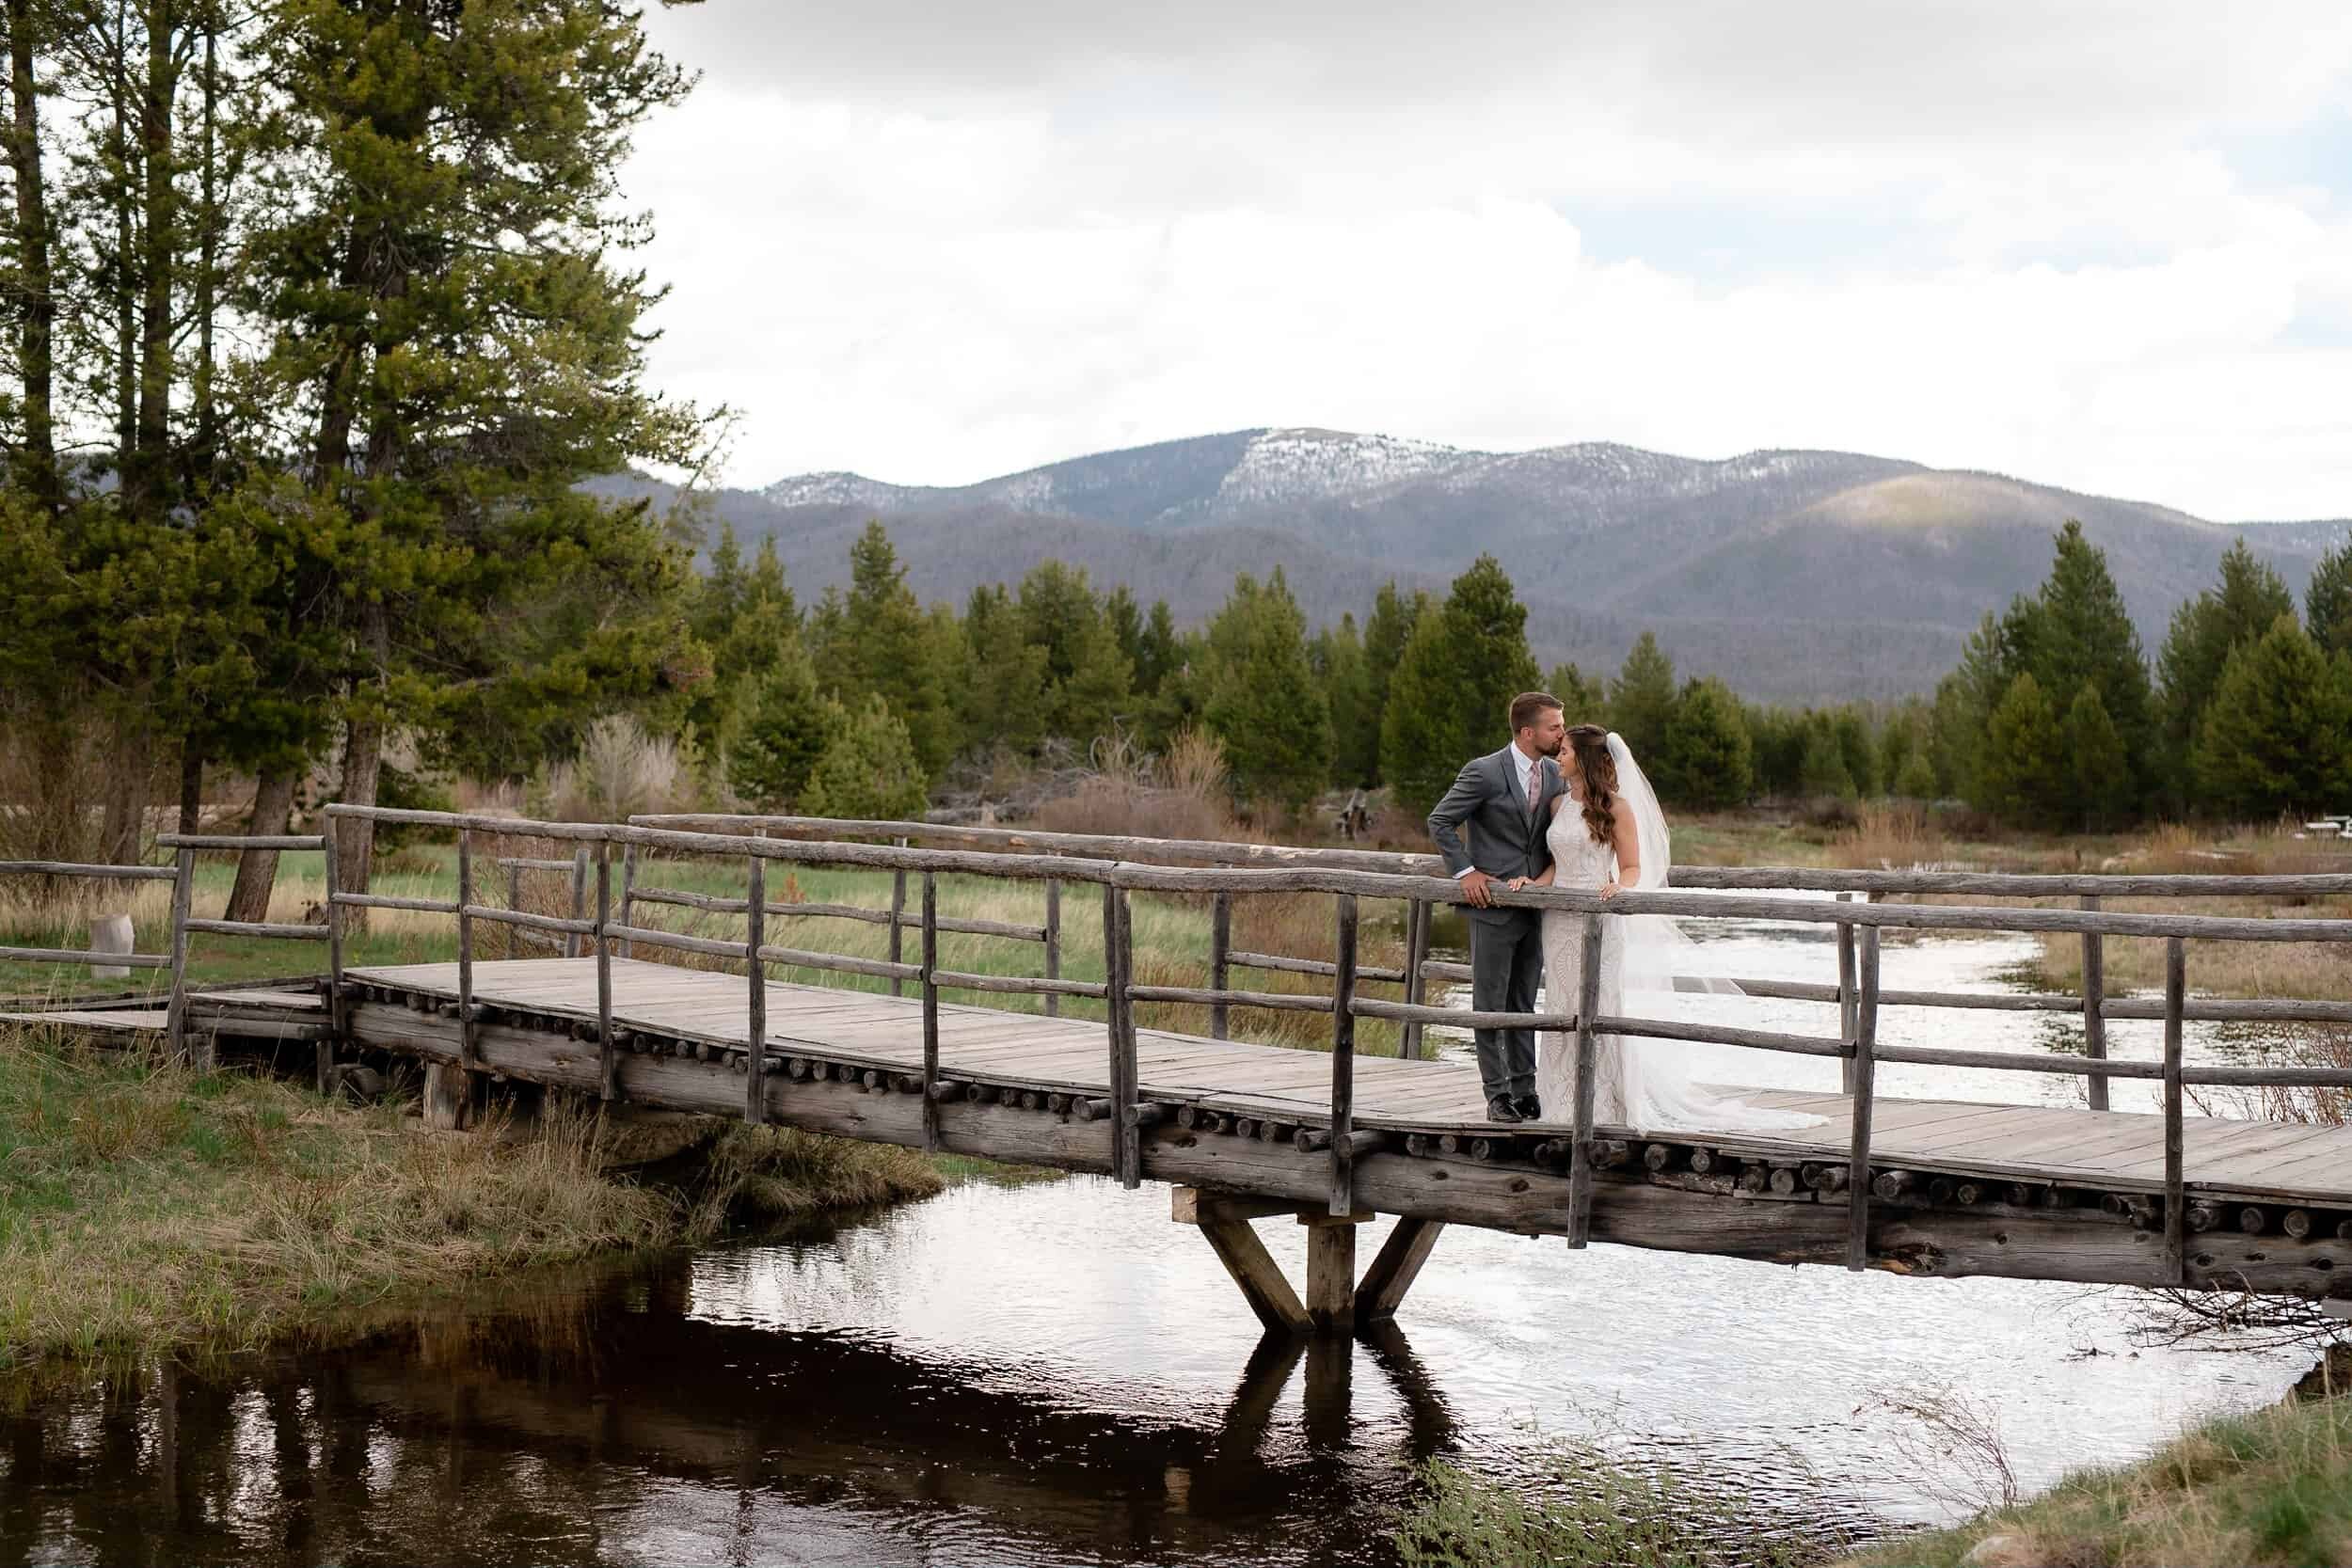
(1591, 744)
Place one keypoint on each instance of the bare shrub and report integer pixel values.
(1950, 1442)
(621, 771)
(1133, 795)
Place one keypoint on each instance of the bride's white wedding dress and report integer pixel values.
(1642, 1083)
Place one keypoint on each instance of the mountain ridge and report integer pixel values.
(1797, 574)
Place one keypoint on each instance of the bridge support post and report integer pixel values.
(1331, 1270)
(1333, 1297)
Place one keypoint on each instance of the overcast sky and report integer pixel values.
(2101, 244)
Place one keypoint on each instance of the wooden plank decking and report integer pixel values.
(2110, 1150)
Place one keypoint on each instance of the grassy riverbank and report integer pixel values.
(2273, 1487)
(145, 1207)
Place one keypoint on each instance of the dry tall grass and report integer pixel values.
(1185, 794)
(2273, 1487)
(148, 1206)
(1893, 835)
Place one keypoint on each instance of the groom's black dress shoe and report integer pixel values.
(1500, 1109)
(1529, 1107)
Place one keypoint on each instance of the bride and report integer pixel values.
(1607, 832)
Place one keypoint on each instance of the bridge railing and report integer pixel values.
(1856, 1045)
(2087, 890)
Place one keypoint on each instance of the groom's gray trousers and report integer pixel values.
(1506, 839)
(1507, 970)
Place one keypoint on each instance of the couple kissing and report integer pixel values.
(1566, 805)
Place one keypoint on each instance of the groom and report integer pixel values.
(1505, 798)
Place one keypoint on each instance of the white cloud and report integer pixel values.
(935, 258)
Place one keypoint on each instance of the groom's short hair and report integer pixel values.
(1528, 707)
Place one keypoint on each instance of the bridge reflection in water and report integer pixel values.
(612, 1422)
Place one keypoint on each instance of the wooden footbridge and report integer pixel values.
(1243, 1131)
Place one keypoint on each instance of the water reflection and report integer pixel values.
(612, 1423)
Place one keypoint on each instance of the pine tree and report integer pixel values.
(1916, 779)
(1004, 676)
(440, 277)
(1338, 656)
(1160, 652)
(1707, 761)
(1641, 698)
(2024, 777)
(1964, 701)
(1584, 701)
(1450, 696)
(1852, 727)
(876, 640)
(1087, 675)
(2277, 736)
(1264, 702)
(1823, 770)
(2099, 792)
(2328, 602)
(782, 732)
(2245, 605)
(2076, 633)
(868, 770)
(1386, 632)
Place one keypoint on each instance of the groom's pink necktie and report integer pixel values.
(1534, 778)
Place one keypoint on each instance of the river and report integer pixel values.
(1051, 1371)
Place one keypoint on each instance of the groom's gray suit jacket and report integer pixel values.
(1505, 838)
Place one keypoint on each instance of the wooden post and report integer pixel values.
(1845, 998)
(628, 892)
(754, 1066)
(1587, 1049)
(1053, 944)
(608, 1062)
(1418, 913)
(1119, 960)
(897, 913)
(931, 1010)
(1331, 1272)
(326, 1063)
(2094, 999)
(183, 897)
(1394, 1268)
(1864, 1089)
(468, 1051)
(1221, 943)
(2175, 1183)
(514, 901)
(580, 899)
(1343, 1075)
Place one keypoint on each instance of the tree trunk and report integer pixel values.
(191, 788)
(37, 306)
(130, 781)
(147, 481)
(208, 256)
(257, 869)
(126, 367)
(363, 760)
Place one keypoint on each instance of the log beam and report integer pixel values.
(1253, 1269)
(1394, 1268)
